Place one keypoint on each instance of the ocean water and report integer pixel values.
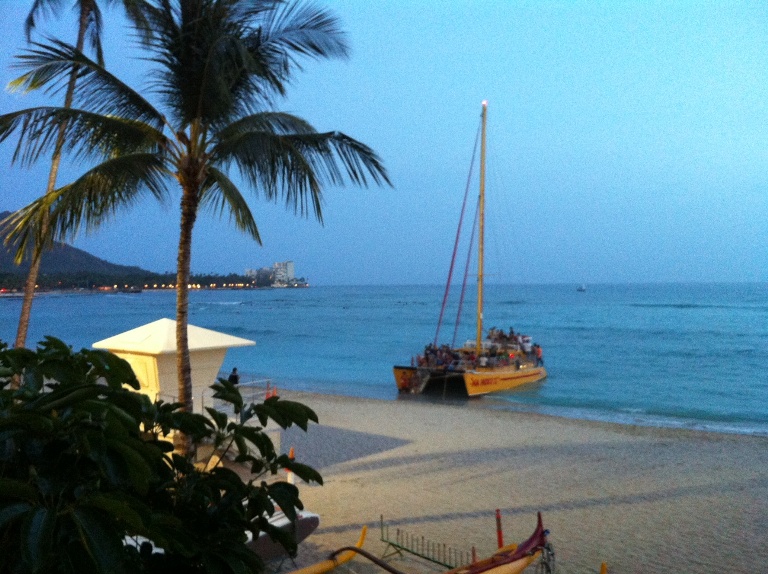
(676, 355)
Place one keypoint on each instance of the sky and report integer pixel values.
(627, 142)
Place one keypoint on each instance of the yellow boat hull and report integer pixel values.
(474, 383)
(499, 379)
(511, 568)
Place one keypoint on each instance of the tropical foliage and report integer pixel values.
(90, 483)
(89, 28)
(219, 66)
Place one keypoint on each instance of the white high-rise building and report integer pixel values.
(284, 272)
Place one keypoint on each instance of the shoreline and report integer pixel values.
(641, 420)
(671, 373)
(638, 498)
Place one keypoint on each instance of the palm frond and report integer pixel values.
(40, 8)
(89, 202)
(204, 67)
(277, 36)
(296, 29)
(231, 57)
(270, 164)
(359, 161)
(87, 134)
(139, 14)
(221, 194)
(23, 230)
(295, 165)
(48, 66)
(93, 30)
(269, 122)
(232, 83)
(49, 69)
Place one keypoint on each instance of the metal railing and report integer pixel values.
(436, 552)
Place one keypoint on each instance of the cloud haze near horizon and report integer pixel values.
(628, 142)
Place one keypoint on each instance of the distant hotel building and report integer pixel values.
(279, 275)
(284, 274)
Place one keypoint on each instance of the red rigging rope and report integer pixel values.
(456, 243)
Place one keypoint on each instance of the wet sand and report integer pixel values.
(639, 499)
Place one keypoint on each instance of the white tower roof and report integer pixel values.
(159, 337)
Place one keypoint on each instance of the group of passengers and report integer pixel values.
(443, 356)
(518, 342)
(506, 349)
(511, 339)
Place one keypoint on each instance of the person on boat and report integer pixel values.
(539, 355)
(234, 378)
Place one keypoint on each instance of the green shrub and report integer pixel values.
(90, 483)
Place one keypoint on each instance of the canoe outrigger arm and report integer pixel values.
(375, 559)
(337, 558)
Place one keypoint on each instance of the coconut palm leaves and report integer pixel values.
(218, 66)
(89, 26)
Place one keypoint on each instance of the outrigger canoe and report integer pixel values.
(510, 559)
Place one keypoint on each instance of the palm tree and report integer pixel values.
(89, 26)
(219, 66)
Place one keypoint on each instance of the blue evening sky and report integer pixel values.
(628, 142)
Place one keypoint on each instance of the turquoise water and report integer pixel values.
(678, 355)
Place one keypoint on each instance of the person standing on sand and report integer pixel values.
(234, 378)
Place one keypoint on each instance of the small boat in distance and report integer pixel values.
(499, 362)
(581, 288)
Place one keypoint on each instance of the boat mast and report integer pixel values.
(481, 235)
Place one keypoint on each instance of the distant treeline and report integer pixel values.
(67, 267)
(130, 281)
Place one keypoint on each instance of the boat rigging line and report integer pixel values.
(466, 274)
(458, 237)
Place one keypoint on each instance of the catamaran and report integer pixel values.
(496, 362)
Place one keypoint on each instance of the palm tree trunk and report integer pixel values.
(34, 269)
(183, 365)
(26, 305)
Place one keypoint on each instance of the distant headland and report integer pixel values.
(69, 268)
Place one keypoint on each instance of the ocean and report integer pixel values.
(667, 355)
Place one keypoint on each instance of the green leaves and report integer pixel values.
(84, 463)
(227, 392)
(36, 534)
(304, 472)
(284, 413)
(73, 431)
(17, 490)
(101, 538)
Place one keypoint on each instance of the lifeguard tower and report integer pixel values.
(151, 352)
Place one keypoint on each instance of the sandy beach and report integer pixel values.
(639, 499)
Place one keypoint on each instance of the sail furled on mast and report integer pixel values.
(481, 233)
